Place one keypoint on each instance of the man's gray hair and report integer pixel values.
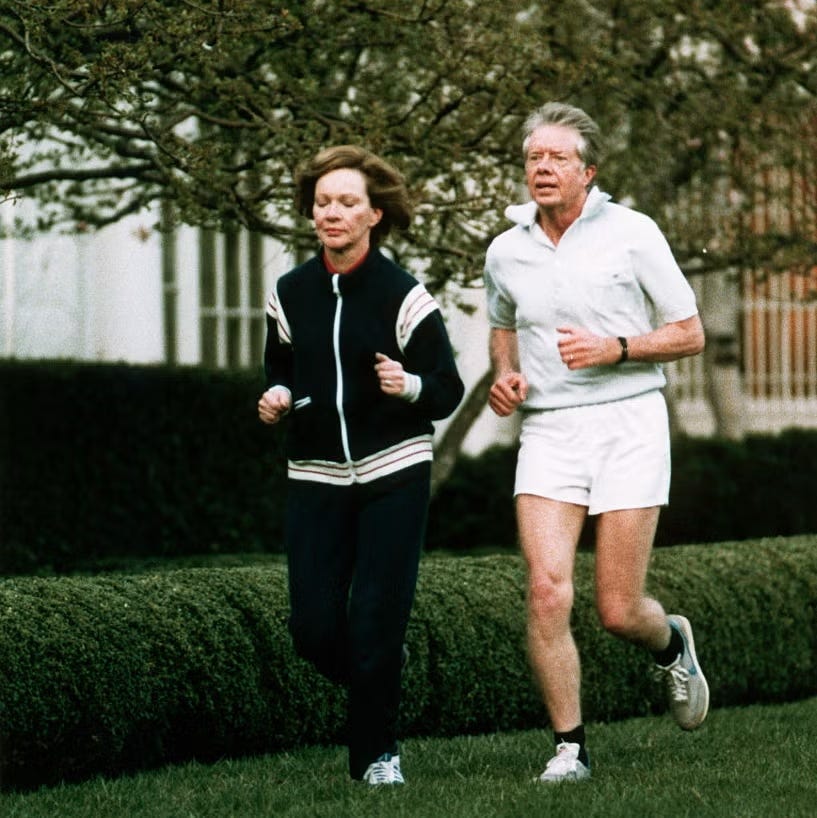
(559, 113)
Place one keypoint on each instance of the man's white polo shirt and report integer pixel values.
(612, 273)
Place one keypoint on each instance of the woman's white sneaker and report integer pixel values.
(385, 770)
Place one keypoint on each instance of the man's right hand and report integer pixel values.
(508, 392)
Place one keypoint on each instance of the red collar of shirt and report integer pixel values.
(332, 269)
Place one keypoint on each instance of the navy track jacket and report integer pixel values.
(323, 331)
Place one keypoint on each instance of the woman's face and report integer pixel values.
(343, 214)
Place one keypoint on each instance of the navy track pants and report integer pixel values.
(353, 555)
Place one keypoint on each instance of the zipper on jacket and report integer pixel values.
(344, 435)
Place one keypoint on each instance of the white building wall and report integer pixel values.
(82, 296)
(123, 266)
(188, 296)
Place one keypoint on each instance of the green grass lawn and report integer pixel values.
(752, 761)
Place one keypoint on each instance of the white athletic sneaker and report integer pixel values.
(397, 773)
(385, 770)
(565, 765)
(686, 686)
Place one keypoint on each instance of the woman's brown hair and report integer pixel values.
(384, 184)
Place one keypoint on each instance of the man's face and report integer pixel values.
(555, 174)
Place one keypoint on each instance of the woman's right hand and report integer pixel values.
(274, 404)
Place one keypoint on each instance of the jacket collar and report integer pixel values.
(357, 275)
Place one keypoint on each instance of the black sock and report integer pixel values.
(672, 651)
(574, 736)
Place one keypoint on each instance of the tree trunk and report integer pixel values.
(723, 383)
(448, 447)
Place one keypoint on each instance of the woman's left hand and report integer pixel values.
(390, 373)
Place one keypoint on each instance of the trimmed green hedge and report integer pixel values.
(116, 673)
(106, 461)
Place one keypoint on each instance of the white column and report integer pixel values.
(8, 269)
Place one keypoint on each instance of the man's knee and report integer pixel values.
(618, 615)
(549, 599)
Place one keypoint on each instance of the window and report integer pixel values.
(232, 298)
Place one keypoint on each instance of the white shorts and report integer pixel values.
(605, 456)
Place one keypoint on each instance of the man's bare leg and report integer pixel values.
(549, 532)
(623, 548)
